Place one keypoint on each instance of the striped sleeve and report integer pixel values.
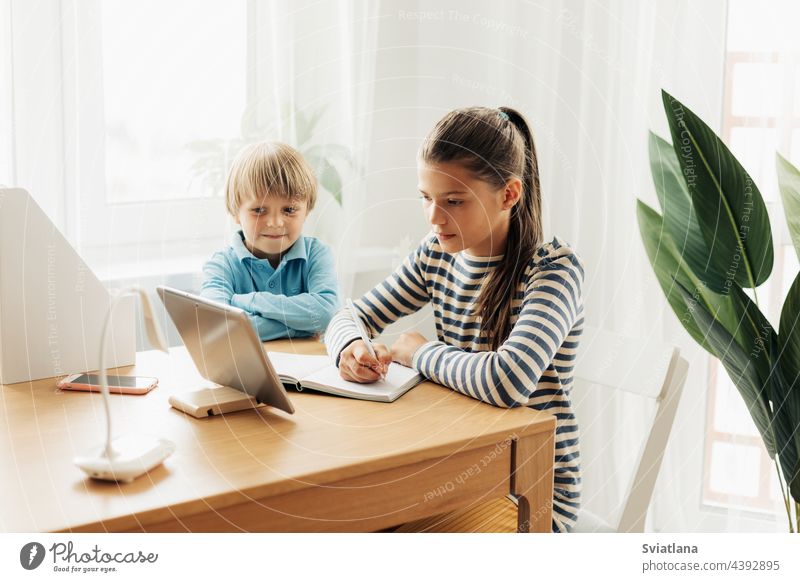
(508, 377)
(401, 293)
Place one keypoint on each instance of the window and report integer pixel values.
(121, 117)
(761, 116)
(149, 85)
(162, 96)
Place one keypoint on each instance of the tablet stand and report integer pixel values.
(213, 401)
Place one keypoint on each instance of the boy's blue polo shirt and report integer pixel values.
(296, 299)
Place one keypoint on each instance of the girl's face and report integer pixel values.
(466, 213)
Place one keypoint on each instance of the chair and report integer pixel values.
(650, 371)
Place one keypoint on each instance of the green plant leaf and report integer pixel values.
(784, 418)
(332, 181)
(305, 125)
(316, 162)
(786, 390)
(211, 159)
(666, 263)
(734, 310)
(740, 367)
(789, 181)
(303, 129)
(728, 204)
(680, 220)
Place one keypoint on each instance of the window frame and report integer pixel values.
(762, 502)
(101, 226)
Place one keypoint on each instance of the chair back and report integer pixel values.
(648, 370)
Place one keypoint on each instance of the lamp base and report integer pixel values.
(134, 455)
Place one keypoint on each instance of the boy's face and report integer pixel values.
(271, 225)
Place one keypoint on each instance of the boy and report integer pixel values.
(284, 280)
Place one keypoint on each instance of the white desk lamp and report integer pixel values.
(130, 456)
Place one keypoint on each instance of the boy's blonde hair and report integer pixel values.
(269, 169)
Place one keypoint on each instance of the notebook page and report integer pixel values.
(297, 366)
(396, 377)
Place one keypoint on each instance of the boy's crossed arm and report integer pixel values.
(276, 315)
(310, 311)
(218, 287)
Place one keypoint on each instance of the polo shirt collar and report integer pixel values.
(298, 250)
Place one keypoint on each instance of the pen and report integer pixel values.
(362, 332)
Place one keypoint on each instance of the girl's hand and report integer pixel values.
(405, 347)
(357, 365)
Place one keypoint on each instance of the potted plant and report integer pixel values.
(213, 157)
(711, 248)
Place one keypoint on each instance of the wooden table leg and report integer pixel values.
(532, 481)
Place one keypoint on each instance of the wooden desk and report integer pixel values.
(335, 465)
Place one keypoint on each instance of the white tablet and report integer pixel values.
(224, 346)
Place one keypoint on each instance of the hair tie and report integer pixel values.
(503, 114)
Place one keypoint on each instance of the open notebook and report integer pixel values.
(320, 373)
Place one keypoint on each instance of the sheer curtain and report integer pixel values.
(125, 140)
(317, 60)
(606, 63)
(588, 76)
(614, 57)
(6, 108)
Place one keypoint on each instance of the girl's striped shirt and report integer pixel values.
(533, 367)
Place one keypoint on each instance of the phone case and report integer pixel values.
(64, 385)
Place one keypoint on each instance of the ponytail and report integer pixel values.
(497, 145)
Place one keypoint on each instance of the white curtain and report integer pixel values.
(612, 59)
(598, 73)
(318, 59)
(6, 109)
(594, 89)
(588, 76)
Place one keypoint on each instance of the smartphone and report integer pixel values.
(116, 384)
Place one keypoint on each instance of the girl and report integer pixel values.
(508, 308)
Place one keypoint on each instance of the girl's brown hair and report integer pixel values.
(497, 146)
